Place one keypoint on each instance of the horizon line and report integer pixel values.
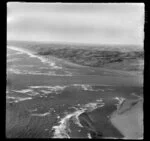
(76, 43)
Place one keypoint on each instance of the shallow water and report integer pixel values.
(45, 98)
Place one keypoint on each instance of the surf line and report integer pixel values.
(42, 59)
(62, 130)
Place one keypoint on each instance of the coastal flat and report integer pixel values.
(130, 122)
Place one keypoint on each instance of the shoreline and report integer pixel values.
(124, 122)
(100, 115)
(33, 52)
(128, 119)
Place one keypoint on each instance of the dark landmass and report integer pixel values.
(114, 57)
(92, 58)
(108, 47)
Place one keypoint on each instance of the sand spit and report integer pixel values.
(128, 119)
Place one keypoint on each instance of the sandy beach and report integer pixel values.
(128, 119)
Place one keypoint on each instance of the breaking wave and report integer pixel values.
(23, 91)
(50, 73)
(87, 87)
(62, 130)
(89, 135)
(27, 91)
(50, 89)
(46, 90)
(57, 89)
(40, 90)
(18, 99)
(120, 101)
(42, 59)
(40, 115)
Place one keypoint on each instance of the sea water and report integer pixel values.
(46, 97)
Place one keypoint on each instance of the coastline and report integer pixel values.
(128, 119)
(97, 120)
(33, 52)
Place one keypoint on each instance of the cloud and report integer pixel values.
(91, 23)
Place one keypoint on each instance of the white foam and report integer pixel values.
(76, 117)
(41, 115)
(23, 91)
(87, 87)
(18, 99)
(39, 87)
(62, 130)
(21, 50)
(49, 89)
(58, 117)
(89, 136)
(45, 90)
(92, 106)
(99, 100)
(120, 101)
(42, 59)
(26, 91)
(26, 72)
(57, 89)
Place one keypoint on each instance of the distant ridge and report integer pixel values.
(115, 47)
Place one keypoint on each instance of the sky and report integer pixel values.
(92, 23)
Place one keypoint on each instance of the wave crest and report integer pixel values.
(18, 99)
(41, 58)
(62, 130)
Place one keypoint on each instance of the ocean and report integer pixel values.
(49, 98)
